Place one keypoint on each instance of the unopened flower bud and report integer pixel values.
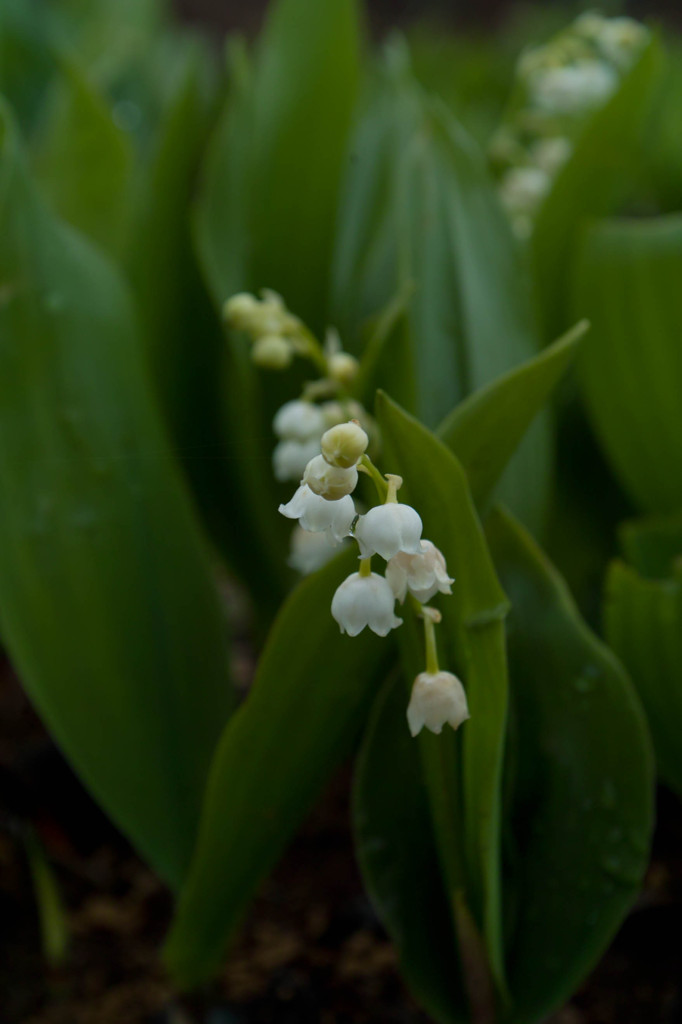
(239, 310)
(365, 601)
(272, 352)
(344, 445)
(437, 698)
(343, 367)
(330, 482)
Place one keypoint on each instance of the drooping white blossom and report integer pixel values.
(330, 482)
(299, 421)
(424, 574)
(310, 551)
(437, 698)
(365, 601)
(290, 458)
(387, 529)
(272, 352)
(318, 515)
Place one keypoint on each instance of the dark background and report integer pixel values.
(227, 15)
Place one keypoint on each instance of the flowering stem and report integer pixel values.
(432, 665)
(367, 466)
(365, 567)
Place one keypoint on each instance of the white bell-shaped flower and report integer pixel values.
(424, 574)
(290, 458)
(330, 482)
(365, 601)
(389, 528)
(437, 698)
(299, 421)
(310, 551)
(320, 515)
(573, 88)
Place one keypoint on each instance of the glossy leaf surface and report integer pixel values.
(579, 811)
(643, 624)
(627, 283)
(311, 696)
(107, 601)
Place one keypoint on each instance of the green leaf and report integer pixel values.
(485, 429)
(473, 638)
(643, 624)
(84, 160)
(592, 181)
(627, 283)
(27, 28)
(265, 218)
(420, 210)
(580, 807)
(309, 700)
(160, 262)
(107, 601)
(396, 848)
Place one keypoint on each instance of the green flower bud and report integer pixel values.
(272, 352)
(344, 445)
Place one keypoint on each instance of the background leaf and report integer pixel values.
(643, 624)
(592, 182)
(579, 812)
(309, 700)
(84, 160)
(107, 603)
(626, 283)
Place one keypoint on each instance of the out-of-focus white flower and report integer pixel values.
(550, 155)
(365, 601)
(319, 515)
(310, 551)
(620, 39)
(299, 421)
(574, 88)
(387, 529)
(241, 310)
(330, 482)
(290, 458)
(437, 698)
(424, 574)
(344, 444)
(343, 367)
(523, 188)
(272, 352)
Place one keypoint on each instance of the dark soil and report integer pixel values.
(311, 951)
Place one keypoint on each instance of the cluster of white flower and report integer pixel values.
(561, 83)
(323, 438)
(323, 504)
(277, 336)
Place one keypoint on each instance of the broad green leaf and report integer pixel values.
(310, 698)
(266, 217)
(160, 260)
(396, 848)
(485, 429)
(473, 645)
(643, 624)
(107, 602)
(420, 210)
(27, 30)
(84, 160)
(627, 283)
(579, 812)
(592, 182)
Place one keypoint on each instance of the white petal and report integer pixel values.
(290, 458)
(364, 601)
(388, 529)
(437, 698)
(299, 421)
